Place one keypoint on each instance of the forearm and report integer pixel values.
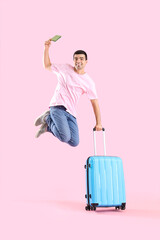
(96, 110)
(47, 61)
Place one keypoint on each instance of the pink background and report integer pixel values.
(42, 181)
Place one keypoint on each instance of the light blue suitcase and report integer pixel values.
(105, 185)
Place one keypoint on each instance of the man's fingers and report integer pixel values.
(98, 129)
(48, 42)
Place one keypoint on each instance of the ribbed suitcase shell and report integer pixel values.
(105, 185)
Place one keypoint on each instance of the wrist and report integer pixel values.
(46, 47)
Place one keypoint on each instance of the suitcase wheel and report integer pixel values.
(117, 207)
(87, 208)
(123, 206)
(93, 208)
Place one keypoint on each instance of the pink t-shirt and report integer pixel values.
(70, 87)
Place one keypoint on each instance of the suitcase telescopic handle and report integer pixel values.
(104, 140)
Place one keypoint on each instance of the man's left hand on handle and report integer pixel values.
(98, 127)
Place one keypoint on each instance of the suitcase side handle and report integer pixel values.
(104, 140)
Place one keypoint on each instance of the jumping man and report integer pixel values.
(60, 119)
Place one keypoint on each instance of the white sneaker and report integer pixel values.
(41, 119)
(42, 129)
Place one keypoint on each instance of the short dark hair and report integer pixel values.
(80, 52)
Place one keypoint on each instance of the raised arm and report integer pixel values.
(47, 62)
(96, 110)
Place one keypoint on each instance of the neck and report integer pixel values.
(79, 71)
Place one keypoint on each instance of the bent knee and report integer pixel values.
(65, 138)
(74, 143)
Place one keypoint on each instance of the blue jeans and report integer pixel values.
(63, 125)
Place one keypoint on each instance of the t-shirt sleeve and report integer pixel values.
(91, 91)
(56, 68)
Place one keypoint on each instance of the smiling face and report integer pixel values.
(79, 61)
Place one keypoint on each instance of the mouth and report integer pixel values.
(78, 64)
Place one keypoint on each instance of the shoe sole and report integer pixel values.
(39, 120)
(42, 130)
